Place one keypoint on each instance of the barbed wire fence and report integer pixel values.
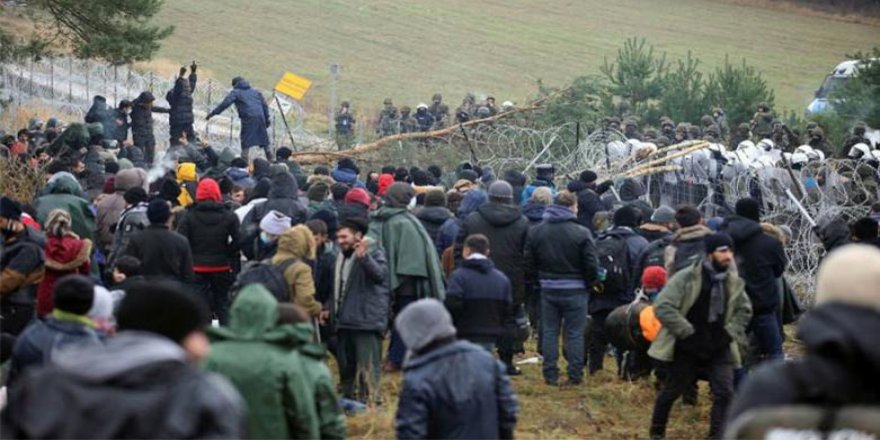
(67, 85)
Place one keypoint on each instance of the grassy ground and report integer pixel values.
(603, 407)
(409, 50)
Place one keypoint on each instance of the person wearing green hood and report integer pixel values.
(64, 192)
(413, 265)
(270, 365)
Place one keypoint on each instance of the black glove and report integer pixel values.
(182, 71)
(604, 186)
(193, 67)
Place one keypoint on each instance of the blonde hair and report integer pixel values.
(542, 196)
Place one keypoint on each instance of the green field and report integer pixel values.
(409, 50)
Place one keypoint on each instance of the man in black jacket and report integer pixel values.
(589, 201)
(212, 231)
(503, 224)
(180, 99)
(761, 261)
(144, 382)
(162, 252)
(561, 257)
(22, 263)
(142, 110)
(362, 305)
(478, 295)
(283, 197)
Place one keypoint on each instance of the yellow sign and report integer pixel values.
(293, 86)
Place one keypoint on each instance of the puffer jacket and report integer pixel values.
(506, 229)
(163, 253)
(560, 253)
(212, 231)
(140, 383)
(298, 244)
(457, 390)
(64, 192)
(22, 266)
(64, 256)
(101, 114)
(259, 358)
(760, 260)
(44, 338)
(252, 110)
(432, 218)
(180, 100)
(365, 303)
(283, 198)
(142, 120)
(479, 300)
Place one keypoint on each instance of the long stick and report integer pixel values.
(284, 118)
(470, 147)
(800, 207)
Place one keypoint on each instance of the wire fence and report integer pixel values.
(67, 85)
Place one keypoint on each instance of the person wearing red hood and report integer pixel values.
(385, 181)
(212, 231)
(66, 254)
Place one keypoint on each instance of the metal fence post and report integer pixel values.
(70, 79)
(115, 79)
(52, 78)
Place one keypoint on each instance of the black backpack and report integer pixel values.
(268, 275)
(613, 255)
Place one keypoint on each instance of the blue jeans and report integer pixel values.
(767, 337)
(563, 310)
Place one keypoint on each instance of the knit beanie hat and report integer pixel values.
(74, 294)
(9, 209)
(850, 274)
(748, 208)
(274, 223)
(469, 175)
(435, 197)
(588, 176)
(158, 212)
(663, 215)
(208, 190)
(135, 195)
(163, 308)
(653, 278)
(501, 190)
(358, 195)
(399, 195)
(424, 322)
(318, 192)
(717, 241)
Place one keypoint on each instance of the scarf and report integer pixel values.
(716, 292)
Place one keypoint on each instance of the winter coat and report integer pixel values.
(432, 218)
(760, 260)
(654, 254)
(560, 253)
(110, 208)
(142, 121)
(364, 304)
(506, 229)
(140, 383)
(635, 244)
(409, 252)
(101, 114)
(22, 264)
(347, 176)
(479, 299)
(180, 101)
(162, 253)
(135, 154)
(679, 295)
(64, 256)
(121, 123)
(252, 110)
(589, 203)
(686, 247)
(298, 244)
(283, 198)
(457, 390)
(653, 232)
(449, 230)
(259, 358)
(352, 210)
(534, 212)
(44, 338)
(839, 368)
(132, 220)
(212, 231)
(64, 192)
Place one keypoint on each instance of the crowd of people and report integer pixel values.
(205, 300)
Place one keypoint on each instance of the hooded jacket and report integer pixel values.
(408, 250)
(64, 192)
(449, 229)
(187, 178)
(142, 120)
(110, 208)
(211, 229)
(506, 229)
(432, 218)
(260, 358)
(560, 253)
(140, 383)
(180, 99)
(298, 244)
(760, 260)
(534, 212)
(44, 338)
(479, 299)
(282, 197)
(839, 368)
(253, 111)
(457, 390)
(363, 301)
(64, 256)
(22, 265)
(101, 114)
(686, 247)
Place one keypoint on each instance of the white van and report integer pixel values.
(837, 78)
